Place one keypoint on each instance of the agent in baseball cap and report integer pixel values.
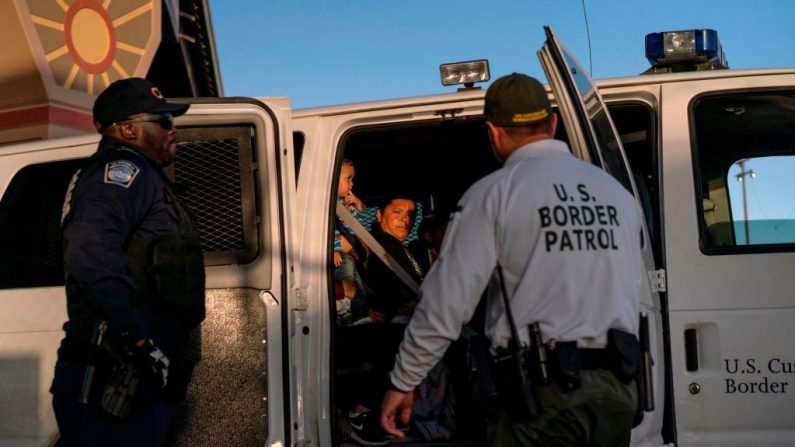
(127, 239)
(517, 100)
(517, 112)
(134, 111)
(132, 96)
(581, 293)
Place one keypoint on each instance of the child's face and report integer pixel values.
(346, 180)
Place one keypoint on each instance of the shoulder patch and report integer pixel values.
(121, 172)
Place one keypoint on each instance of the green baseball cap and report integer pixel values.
(517, 100)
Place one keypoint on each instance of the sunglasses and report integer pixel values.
(165, 120)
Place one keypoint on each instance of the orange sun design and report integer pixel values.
(90, 43)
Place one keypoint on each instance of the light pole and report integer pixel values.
(741, 178)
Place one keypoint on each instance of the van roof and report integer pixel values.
(478, 94)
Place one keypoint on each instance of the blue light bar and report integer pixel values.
(686, 49)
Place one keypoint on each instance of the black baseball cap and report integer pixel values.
(517, 100)
(127, 97)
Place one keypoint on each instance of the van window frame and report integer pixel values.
(695, 152)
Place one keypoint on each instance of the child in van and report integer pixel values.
(348, 251)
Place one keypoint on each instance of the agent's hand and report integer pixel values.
(152, 363)
(396, 402)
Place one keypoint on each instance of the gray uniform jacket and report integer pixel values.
(568, 237)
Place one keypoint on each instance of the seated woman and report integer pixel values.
(390, 305)
(388, 296)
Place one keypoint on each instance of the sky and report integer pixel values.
(334, 52)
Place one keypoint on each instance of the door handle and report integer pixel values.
(691, 349)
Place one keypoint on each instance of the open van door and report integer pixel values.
(593, 137)
(234, 168)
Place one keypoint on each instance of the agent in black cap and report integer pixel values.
(134, 278)
(533, 230)
(126, 105)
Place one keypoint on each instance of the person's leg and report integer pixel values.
(359, 303)
(349, 276)
(599, 413)
(378, 343)
(87, 425)
(65, 390)
(344, 275)
(614, 411)
(147, 425)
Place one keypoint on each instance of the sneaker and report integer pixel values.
(366, 431)
(344, 315)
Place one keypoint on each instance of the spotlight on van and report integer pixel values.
(467, 73)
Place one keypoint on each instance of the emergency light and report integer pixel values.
(467, 73)
(686, 50)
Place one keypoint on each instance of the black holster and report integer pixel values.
(119, 390)
(481, 372)
(516, 393)
(565, 366)
(624, 351)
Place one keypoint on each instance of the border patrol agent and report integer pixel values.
(567, 237)
(134, 279)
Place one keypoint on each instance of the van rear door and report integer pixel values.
(234, 168)
(593, 137)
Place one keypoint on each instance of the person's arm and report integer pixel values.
(351, 200)
(337, 259)
(104, 218)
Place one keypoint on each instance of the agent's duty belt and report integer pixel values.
(590, 358)
(74, 350)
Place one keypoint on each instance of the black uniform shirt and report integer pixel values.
(119, 193)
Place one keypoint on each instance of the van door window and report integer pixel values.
(610, 152)
(215, 176)
(30, 225)
(746, 155)
(635, 125)
(214, 171)
(299, 139)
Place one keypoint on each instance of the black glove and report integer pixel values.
(153, 365)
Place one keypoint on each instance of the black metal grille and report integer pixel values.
(214, 176)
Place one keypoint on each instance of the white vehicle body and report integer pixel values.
(724, 369)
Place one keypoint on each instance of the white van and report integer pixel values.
(261, 180)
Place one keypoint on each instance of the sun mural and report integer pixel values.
(90, 43)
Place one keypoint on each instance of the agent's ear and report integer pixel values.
(553, 124)
(127, 131)
(378, 216)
